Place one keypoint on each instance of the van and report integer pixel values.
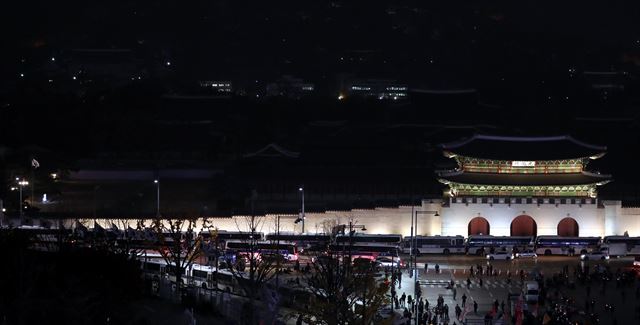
(531, 290)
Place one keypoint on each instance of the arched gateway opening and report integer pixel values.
(478, 226)
(524, 225)
(568, 227)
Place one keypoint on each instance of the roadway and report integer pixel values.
(457, 267)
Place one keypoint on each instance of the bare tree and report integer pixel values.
(343, 291)
(254, 268)
(179, 244)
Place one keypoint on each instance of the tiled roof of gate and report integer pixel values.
(522, 148)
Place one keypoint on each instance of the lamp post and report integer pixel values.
(21, 183)
(301, 190)
(414, 253)
(157, 182)
(352, 232)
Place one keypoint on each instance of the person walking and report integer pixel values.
(437, 268)
(426, 268)
(464, 300)
(446, 312)
(455, 292)
(480, 282)
(468, 283)
(403, 300)
(475, 307)
(458, 311)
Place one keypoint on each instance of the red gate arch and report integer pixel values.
(568, 227)
(479, 225)
(524, 225)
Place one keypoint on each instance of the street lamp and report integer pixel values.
(414, 251)
(155, 181)
(21, 183)
(301, 218)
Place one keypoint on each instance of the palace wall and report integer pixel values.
(605, 218)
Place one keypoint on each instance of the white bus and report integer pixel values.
(153, 269)
(485, 244)
(203, 276)
(560, 245)
(632, 244)
(434, 245)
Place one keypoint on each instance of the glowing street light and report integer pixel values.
(301, 218)
(157, 182)
(21, 183)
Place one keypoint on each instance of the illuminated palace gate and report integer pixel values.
(495, 169)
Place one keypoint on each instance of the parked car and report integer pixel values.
(499, 256)
(386, 261)
(526, 253)
(597, 255)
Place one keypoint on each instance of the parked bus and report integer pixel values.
(153, 267)
(631, 245)
(559, 245)
(305, 242)
(288, 250)
(367, 239)
(203, 276)
(435, 245)
(225, 280)
(484, 244)
(366, 250)
(223, 235)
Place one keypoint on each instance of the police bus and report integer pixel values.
(563, 245)
(287, 250)
(485, 244)
(434, 245)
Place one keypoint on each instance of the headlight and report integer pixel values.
(606, 257)
(488, 255)
(583, 256)
(517, 254)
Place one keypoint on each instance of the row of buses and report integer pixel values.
(390, 244)
(289, 245)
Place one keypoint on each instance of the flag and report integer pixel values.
(35, 163)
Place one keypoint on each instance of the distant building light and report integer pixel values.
(22, 75)
(50, 80)
(54, 175)
(53, 59)
(4, 210)
(74, 78)
(44, 198)
(340, 97)
(168, 63)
